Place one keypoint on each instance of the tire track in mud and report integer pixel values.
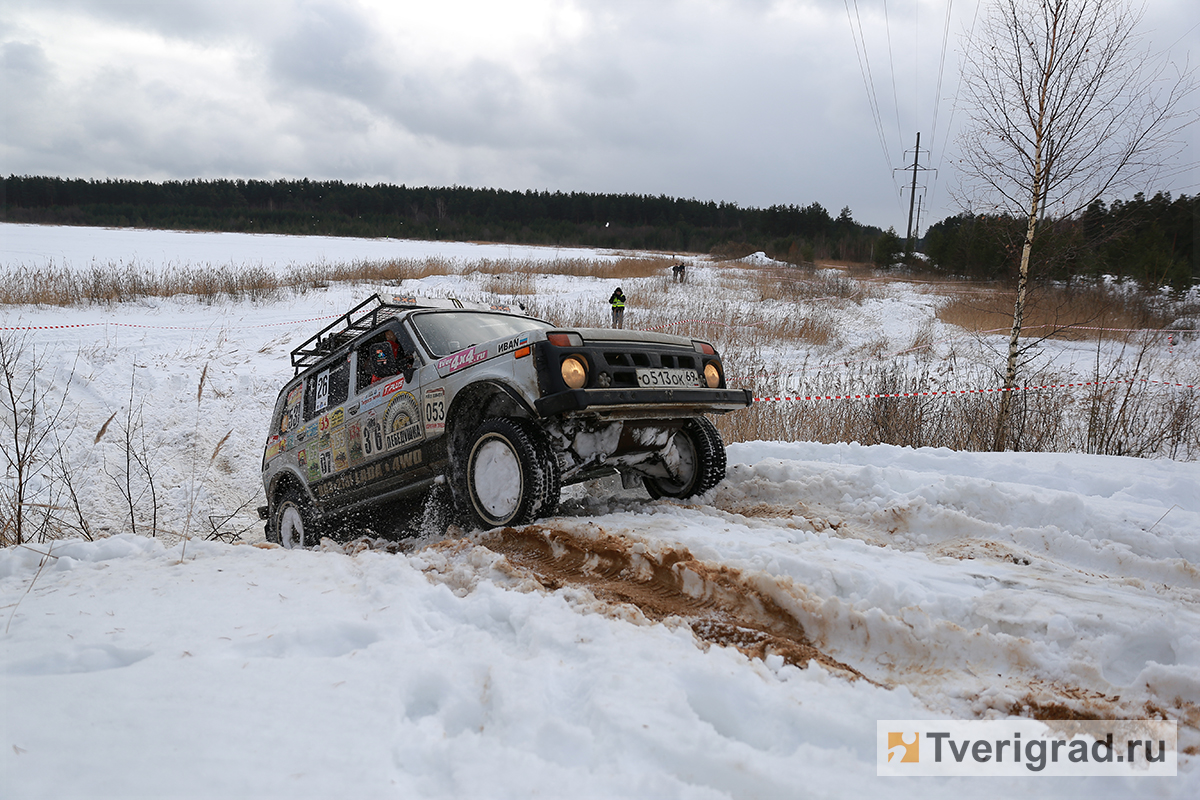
(720, 606)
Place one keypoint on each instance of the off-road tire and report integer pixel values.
(292, 522)
(508, 476)
(552, 484)
(701, 447)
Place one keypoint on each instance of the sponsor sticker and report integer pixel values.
(321, 401)
(461, 359)
(370, 473)
(434, 410)
(325, 462)
(511, 344)
(1027, 748)
(393, 386)
(354, 442)
(402, 422)
(295, 394)
(372, 436)
(341, 459)
(275, 447)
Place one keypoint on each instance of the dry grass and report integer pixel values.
(1072, 313)
(856, 266)
(511, 284)
(123, 282)
(711, 316)
(1124, 416)
(800, 285)
(626, 268)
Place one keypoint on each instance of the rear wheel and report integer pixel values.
(695, 458)
(510, 476)
(292, 522)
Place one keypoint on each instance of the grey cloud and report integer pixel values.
(329, 49)
(193, 20)
(24, 62)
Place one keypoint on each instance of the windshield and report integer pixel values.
(446, 332)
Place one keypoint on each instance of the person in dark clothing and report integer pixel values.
(388, 358)
(617, 301)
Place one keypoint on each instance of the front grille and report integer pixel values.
(622, 365)
(680, 362)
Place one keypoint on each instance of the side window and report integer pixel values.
(328, 387)
(388, 353)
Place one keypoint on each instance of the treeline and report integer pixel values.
(1152, 242)
(793, 233)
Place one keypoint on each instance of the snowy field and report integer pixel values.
(743, 645)
(31, 247)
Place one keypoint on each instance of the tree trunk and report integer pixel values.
(1004, 417)
(1010, 372)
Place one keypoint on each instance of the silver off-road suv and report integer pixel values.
(401, 394)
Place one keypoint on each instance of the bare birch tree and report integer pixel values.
(30, 419)
(1065, 108)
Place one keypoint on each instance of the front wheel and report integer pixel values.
(695, 458)
(292, 522)
(510, 476)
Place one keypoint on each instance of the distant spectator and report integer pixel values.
(679, 272)
(617, 301)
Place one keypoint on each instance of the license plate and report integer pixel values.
(665, 378)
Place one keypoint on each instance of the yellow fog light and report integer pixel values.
(712, 375)
(574, 373)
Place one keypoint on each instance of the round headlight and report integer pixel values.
(574, 373)
(712, 375)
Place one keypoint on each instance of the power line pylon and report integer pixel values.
(912, 198)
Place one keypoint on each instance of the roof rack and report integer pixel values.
(362, 318)
(366, 316)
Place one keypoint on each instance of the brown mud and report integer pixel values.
(719, 605)
(724, 607)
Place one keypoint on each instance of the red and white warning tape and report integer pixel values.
(162, 327)
(679, 322)
(783, 398)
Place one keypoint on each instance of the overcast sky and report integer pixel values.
(756, 102)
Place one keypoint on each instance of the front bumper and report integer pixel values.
(644, 403)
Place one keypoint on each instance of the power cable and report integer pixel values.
(868, 79)
(892, 69)
(957, 90)
(937, 97)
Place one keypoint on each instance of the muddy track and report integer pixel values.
(719, 605)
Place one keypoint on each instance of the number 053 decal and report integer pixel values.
(434, 410)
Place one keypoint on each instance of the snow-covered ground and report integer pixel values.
(931, 583)
(31, 247)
